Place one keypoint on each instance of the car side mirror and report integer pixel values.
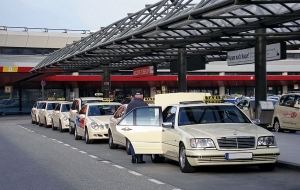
(74, 111)
(56, 111)
(168, 125)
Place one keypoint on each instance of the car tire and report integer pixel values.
(36, 122)
(267, 167)
(71, 130)
(184, 164)
(86, 137)
(32, 121)
(276, 126)
(53, 127)
(127, 147)
(156, 158)
(111, 141)
(46, 126)
(60, 127)
(40, 124)
(77, 137)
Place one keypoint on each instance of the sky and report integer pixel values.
(67, 14)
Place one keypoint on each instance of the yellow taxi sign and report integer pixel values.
(61, 99)
(51, 98)
(149, 100)
(107, 100)
(213, 99)
(98, 94)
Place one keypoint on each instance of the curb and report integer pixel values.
(288, 165)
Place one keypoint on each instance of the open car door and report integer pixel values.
(143, 127)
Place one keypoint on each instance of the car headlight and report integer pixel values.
(202, 143)
(49, 116)
(266, 141)
(65, 118)
(94, 125)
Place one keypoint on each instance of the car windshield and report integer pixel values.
(39, 105)
(51, 106)
(211, 114)
(97, 110)
(66, 107)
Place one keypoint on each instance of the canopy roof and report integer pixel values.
(153, 35)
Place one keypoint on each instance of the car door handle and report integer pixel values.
(126, 129)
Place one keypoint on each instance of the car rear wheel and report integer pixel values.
(277, 127)
(77, 137)
(86, 137)
(111, 141)
(127, 147)
(184, 164)
(267, 167)
(32, 121)
(155, 158)
(36, 122)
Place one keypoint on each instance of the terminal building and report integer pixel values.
(21, 49)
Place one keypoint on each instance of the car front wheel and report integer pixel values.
(86, 137)
(277, 127)
(77, 137)
(111, 141)
(127, 147)
(184, 164)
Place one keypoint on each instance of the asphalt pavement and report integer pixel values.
(288, 143)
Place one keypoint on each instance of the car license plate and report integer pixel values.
(235, 156)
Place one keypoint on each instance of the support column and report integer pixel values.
(260, 68)
(284, 88)
(106, 86)
(182, 84)
(76, 89)
(221, 85)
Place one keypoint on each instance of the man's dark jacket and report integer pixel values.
(137, 102)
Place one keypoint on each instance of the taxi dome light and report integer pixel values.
(98, 94)
(213, 99)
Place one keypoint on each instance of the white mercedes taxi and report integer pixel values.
(93, 120)
(35, 110)
(60, 116)
(199, 134)
(45, 113)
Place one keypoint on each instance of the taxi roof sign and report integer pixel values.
(107, 100)
(213, 99)
(98, 94)
(149, 100)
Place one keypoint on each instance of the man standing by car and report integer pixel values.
(138, 101)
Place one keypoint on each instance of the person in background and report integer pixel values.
(138, 101)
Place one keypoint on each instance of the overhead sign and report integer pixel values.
(247, 56)
(8, 89)
(143, 71)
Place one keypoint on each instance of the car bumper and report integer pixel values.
(216, 157)
(100, 134)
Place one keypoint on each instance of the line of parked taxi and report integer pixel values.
(194, 133)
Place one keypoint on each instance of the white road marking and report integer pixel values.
(156, 181)
(106, 161)
(135, 173)
(66, 144)
(82, 152)
(117, 166)
(54, 139)
(74, 148)
(44, 136)
(59, 142)
(93, 156)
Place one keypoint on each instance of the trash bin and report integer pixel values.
(265, 113)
